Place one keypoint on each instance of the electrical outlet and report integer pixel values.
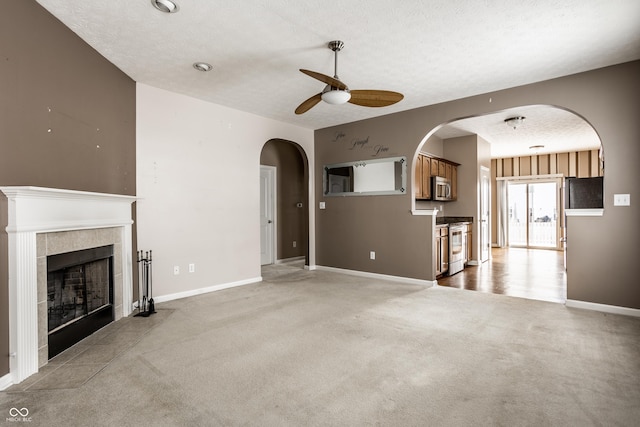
(322, 205)
(372, 255)
(621, 200)
(294, 243)
(176, 269)
(192, 268)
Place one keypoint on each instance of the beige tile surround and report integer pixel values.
(68, 241)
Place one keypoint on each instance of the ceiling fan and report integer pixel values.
(337, 92)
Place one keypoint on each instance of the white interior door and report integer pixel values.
(267, 214)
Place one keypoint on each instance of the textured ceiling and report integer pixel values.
(431, 51)
(557, 130)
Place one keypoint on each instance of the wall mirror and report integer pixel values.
(366, 177)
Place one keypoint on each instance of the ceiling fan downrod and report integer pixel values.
(336, 46)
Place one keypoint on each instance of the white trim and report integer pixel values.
(288, 260)
(424, 212)
(428, 283)
(5, 382)
(613, 309)
(473, 262)
(584, 212)
(200, 291)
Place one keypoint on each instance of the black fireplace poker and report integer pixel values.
(146, 306)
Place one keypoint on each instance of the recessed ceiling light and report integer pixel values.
(202, 66)
(166, 6)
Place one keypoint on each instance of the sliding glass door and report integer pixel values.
(533, 214)
(518, 217)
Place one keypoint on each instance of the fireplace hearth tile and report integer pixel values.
(24, 385)
(81, 362)
(96, 354)
(69, 354)
(67, 376)
(123, 339)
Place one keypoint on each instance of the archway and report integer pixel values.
(291, 210)
(553, 143)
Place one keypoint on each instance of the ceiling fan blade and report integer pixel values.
(309, 103)
(375, 98)
(326, 79)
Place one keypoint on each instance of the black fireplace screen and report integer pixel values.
(77, 291)
(78, 284)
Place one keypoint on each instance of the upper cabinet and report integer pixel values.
(428, 167)
(422, 182)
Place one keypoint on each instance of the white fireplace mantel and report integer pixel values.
(33, 210)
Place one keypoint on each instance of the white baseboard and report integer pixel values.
(473, 262)
(5, 382)
(401, 279)
(613, 309)
(286, 260)
(311, 267)
(194, 292)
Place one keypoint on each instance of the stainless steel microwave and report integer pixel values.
(441, 188)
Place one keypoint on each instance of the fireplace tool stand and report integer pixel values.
(146, 306)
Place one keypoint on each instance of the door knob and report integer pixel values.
(269, 222)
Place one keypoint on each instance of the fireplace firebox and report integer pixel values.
(79, 295)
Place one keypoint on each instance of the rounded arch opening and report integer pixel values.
(556, 126)
(290, 207)
(571, 147)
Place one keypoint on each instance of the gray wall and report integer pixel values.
(601, 250)
(471, 152)
(292, 184)
(59, 101)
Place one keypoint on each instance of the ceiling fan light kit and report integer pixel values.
(335, 96)
(336, 92)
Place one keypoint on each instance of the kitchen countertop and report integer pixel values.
(448, 220)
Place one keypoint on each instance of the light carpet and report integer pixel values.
(331, 349)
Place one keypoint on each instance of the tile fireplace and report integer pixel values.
(44, 224)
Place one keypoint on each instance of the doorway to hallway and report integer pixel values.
(285, 210)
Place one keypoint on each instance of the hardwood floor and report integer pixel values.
(527, 273)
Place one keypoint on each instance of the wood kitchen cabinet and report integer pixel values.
(417, 178)
(434, 167)
(441, 249)
(427, 167)
(422, 181)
